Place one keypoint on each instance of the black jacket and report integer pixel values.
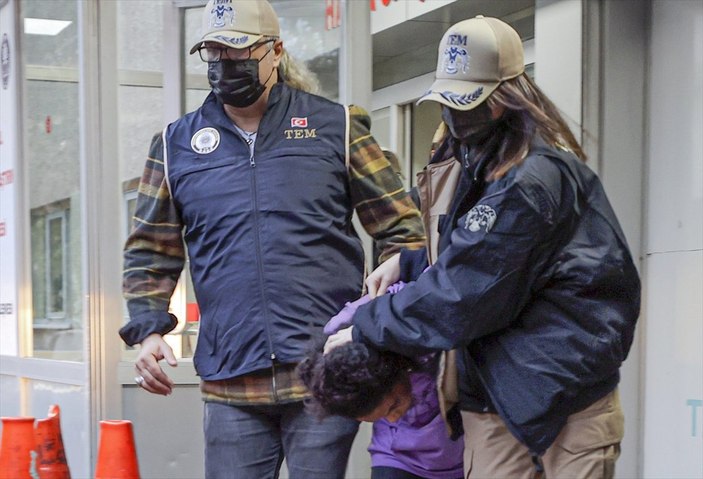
(534, 281)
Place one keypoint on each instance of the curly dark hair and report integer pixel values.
(352, 379)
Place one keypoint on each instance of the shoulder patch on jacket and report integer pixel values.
(480, 217)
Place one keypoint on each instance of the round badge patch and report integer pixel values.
(205, 140)
(480, 217)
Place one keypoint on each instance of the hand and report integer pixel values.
(343, 319)
(337, 339)
(153, 349)
(382, 277)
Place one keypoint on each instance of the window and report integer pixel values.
(130, 206)
(56, 253)
(50, 275)
(140, 91)
(50, 124)
(56, 305)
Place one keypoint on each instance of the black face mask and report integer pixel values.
(236, 82)
(471, 127)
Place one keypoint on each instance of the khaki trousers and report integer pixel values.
(587, 446)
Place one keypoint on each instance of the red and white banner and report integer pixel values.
(333, 14)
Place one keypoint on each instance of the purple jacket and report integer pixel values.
(418, 442)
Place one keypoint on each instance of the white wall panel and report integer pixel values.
(676, 127)
(619, 131)
(558, 58)
(10, 387)
(673, 393)
(673, 412)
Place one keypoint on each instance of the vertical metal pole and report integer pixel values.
(355, 58)
(174, 66)
(25, 345)
(100, 205)
(355, 63)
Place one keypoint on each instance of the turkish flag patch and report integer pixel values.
(296, 122)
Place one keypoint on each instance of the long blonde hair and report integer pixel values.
(297, 75)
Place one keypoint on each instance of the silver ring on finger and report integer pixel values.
(139, 380)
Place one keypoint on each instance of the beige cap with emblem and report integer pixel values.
(475, 55)
(237, 23)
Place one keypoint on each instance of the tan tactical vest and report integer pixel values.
(436, 186)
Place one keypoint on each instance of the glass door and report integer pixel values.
(51, 367)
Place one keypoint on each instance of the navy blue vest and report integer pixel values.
(273, 253)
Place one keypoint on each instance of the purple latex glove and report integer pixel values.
(343, 319)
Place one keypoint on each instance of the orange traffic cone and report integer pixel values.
(51, 457)
(117, 456)
(16, 447)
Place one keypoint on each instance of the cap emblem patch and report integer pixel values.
(205, 140)
(480, 217)
(221, 15)
(455, 60)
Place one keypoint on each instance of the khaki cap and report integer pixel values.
(237, 23)
(475, 55)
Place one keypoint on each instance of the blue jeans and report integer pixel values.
(250, 442)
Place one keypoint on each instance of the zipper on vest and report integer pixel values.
(273, 377)
(259, 264)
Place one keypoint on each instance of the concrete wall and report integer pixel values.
(672, 393)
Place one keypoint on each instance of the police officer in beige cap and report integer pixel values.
(532, 280)
(261, 182)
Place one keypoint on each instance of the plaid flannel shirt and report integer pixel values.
(155, 252)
